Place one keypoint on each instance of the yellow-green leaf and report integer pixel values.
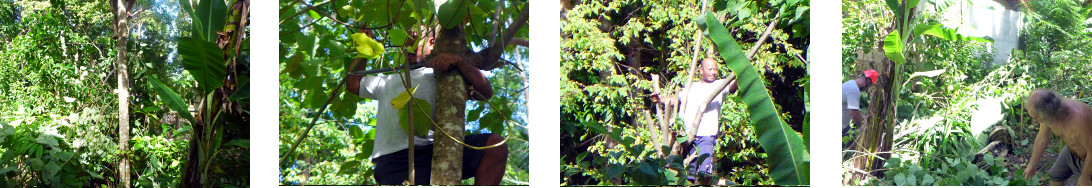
(368, 47)
(400, 101)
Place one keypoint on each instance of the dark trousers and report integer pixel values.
(393, 168)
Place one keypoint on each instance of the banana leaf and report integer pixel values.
(786, 154)
(173, 100)
(204, 61)
(939, 31)
(209, 17)
(892, 48)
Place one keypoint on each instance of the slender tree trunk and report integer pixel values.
(450, 109)
(121, 30)
(447, 156)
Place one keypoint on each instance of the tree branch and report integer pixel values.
(492, 54)
(309, 7)
(520, 41)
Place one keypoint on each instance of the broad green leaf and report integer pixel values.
(243, 90)
(312, 69)
(927, 180)
(895, 8)
(305, 43)
(421, 122)
(474, 114)
(368, 47)
(369, 143)
(48, 140)
(204, 61)
(911, 180)
(345, 105)
(786, 151)
(900, 179)
(314, 15)
(492, 121)
(209, 19)
(355, 132)
(36, 164)
(51, 170)
(8, 169)
(932, 73)
(397, 37)
(911, 4)
(239, 142)
(939, 31)
(171, 99)
(350, 167)
(370, 135)
(451, 13)
(801, 12)
(892, 48)
(926, 73)
(316, 98)
(424, 8)
(335, 48)
(407, 17)
(400, 101)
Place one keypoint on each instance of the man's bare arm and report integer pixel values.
(858, 118)
(354, 80)
(732, 85)
(476, 79)
(1041, 141)
(666, 101)
(473, 76)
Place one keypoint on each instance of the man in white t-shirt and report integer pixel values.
(707, 114)
(851, 99)
(390, 153)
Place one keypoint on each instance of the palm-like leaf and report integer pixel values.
(209, 18)
(939, 31)
(173, 100)
(787, 157)
(204, 61)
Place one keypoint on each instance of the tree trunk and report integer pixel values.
(450, 109)
(447, 155)
(121, 30)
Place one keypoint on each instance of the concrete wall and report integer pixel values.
(987, 18)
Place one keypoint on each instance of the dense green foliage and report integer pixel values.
(317, 50)
(960, 119)
(60, 108)
(609, 51)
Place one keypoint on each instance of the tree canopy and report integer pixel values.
(60, 106)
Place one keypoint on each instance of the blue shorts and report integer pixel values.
(393, 168)
(703, 145)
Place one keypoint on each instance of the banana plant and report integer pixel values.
(895, 43)
(212, 56)
(787, 156)
(894, 46)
